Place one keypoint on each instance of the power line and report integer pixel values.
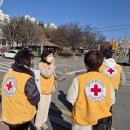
(122, 37)
(107, 27)
(115, 36)
(125, 29)
(115, 29)
(119, 37)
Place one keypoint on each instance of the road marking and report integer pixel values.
(8, 66)
(73, 72)
(59, 65)
(6, 62)
(5, 66)
(4, 71)
(1, 67)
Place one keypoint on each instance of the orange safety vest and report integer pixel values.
(16, 108)
(46, 84)
(113, 74)
(93, 101)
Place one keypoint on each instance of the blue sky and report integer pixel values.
(99, 13)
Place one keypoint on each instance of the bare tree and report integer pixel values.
(74, 36)
(92, 37)
(10, 30)
(22, 30)
(68, 35)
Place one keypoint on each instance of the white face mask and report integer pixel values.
(49, 59)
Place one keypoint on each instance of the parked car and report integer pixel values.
(10, 54)
(85, 51)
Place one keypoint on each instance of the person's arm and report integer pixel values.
(123, 78)
(73, 92)
(112, 95)
(46, 72)
(32, 92)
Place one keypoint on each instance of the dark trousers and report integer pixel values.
(19, 127)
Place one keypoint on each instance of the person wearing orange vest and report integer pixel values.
(47, 70)
(91, 95)
(112, 70)
(20, 94)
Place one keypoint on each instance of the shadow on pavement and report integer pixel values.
(55, 117)
(62, 98)
(56, 113)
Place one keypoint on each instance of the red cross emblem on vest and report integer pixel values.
(96, 90)
(9, 86)
(110, 70)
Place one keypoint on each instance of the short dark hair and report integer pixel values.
(93, 59)
(107, 53)
(45, 54)
(23, 57)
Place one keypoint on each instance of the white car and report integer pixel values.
(10, 54)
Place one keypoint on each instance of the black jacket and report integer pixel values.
(31, 90)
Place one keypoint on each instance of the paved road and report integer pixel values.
(121, 110)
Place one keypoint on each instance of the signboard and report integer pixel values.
(115, 47)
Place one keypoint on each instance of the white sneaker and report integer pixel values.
(44, 126)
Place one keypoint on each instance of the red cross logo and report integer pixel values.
(9, 86)
(110, 70)
(96, 90)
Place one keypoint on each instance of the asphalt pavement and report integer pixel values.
(60, 111)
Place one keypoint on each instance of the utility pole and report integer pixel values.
(1, 2)
(126, 35)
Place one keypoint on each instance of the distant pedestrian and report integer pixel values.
(112, 70)
(91, 95)
(20, 94)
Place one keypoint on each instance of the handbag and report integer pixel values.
(103, 124)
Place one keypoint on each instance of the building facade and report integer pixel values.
(3, 18)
